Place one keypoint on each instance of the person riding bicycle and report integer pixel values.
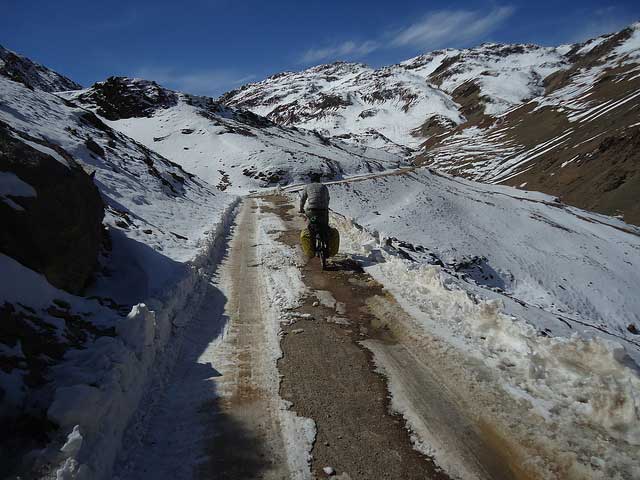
(315, 197)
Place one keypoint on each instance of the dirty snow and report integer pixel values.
(540, 292)
(283, 291)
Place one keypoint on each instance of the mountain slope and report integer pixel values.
(63, 350)
(351, 101)
(232, 149)
(577, 140)
(560, 120)
(401, 105)
(492, 78)
(31, 74)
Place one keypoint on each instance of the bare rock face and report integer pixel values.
(122, 97)
(52, 216)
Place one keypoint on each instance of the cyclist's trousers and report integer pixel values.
(321, 215)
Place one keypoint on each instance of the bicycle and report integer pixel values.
(319, 233)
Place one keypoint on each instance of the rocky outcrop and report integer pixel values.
(53, 225)
(121, 97)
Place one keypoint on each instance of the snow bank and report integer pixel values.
(547, 261)
(574, 376)
(585, 387)
(100, 388)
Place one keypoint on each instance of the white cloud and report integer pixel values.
(437, 29)
(346, 49)
(205, 82)
(452, 28)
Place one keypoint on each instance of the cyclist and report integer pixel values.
(314, 203)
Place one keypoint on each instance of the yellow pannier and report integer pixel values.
(307, 242)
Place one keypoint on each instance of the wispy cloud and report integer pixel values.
(346, 49)
(452, 27)
(204, 82)
(435, 30)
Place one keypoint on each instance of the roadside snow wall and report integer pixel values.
(101, 387)
(586, 390)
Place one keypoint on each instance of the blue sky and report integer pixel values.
(208, 47)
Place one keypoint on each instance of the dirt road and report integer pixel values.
(232, 409)
(329, 373)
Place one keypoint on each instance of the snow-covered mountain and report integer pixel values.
(235, 150)
(380, 108)
(31, 74)
(562, 120)
(399, 106)
(492, 78)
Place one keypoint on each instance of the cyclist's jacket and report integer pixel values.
(315, 196)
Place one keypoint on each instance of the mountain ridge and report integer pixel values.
(231, 149)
